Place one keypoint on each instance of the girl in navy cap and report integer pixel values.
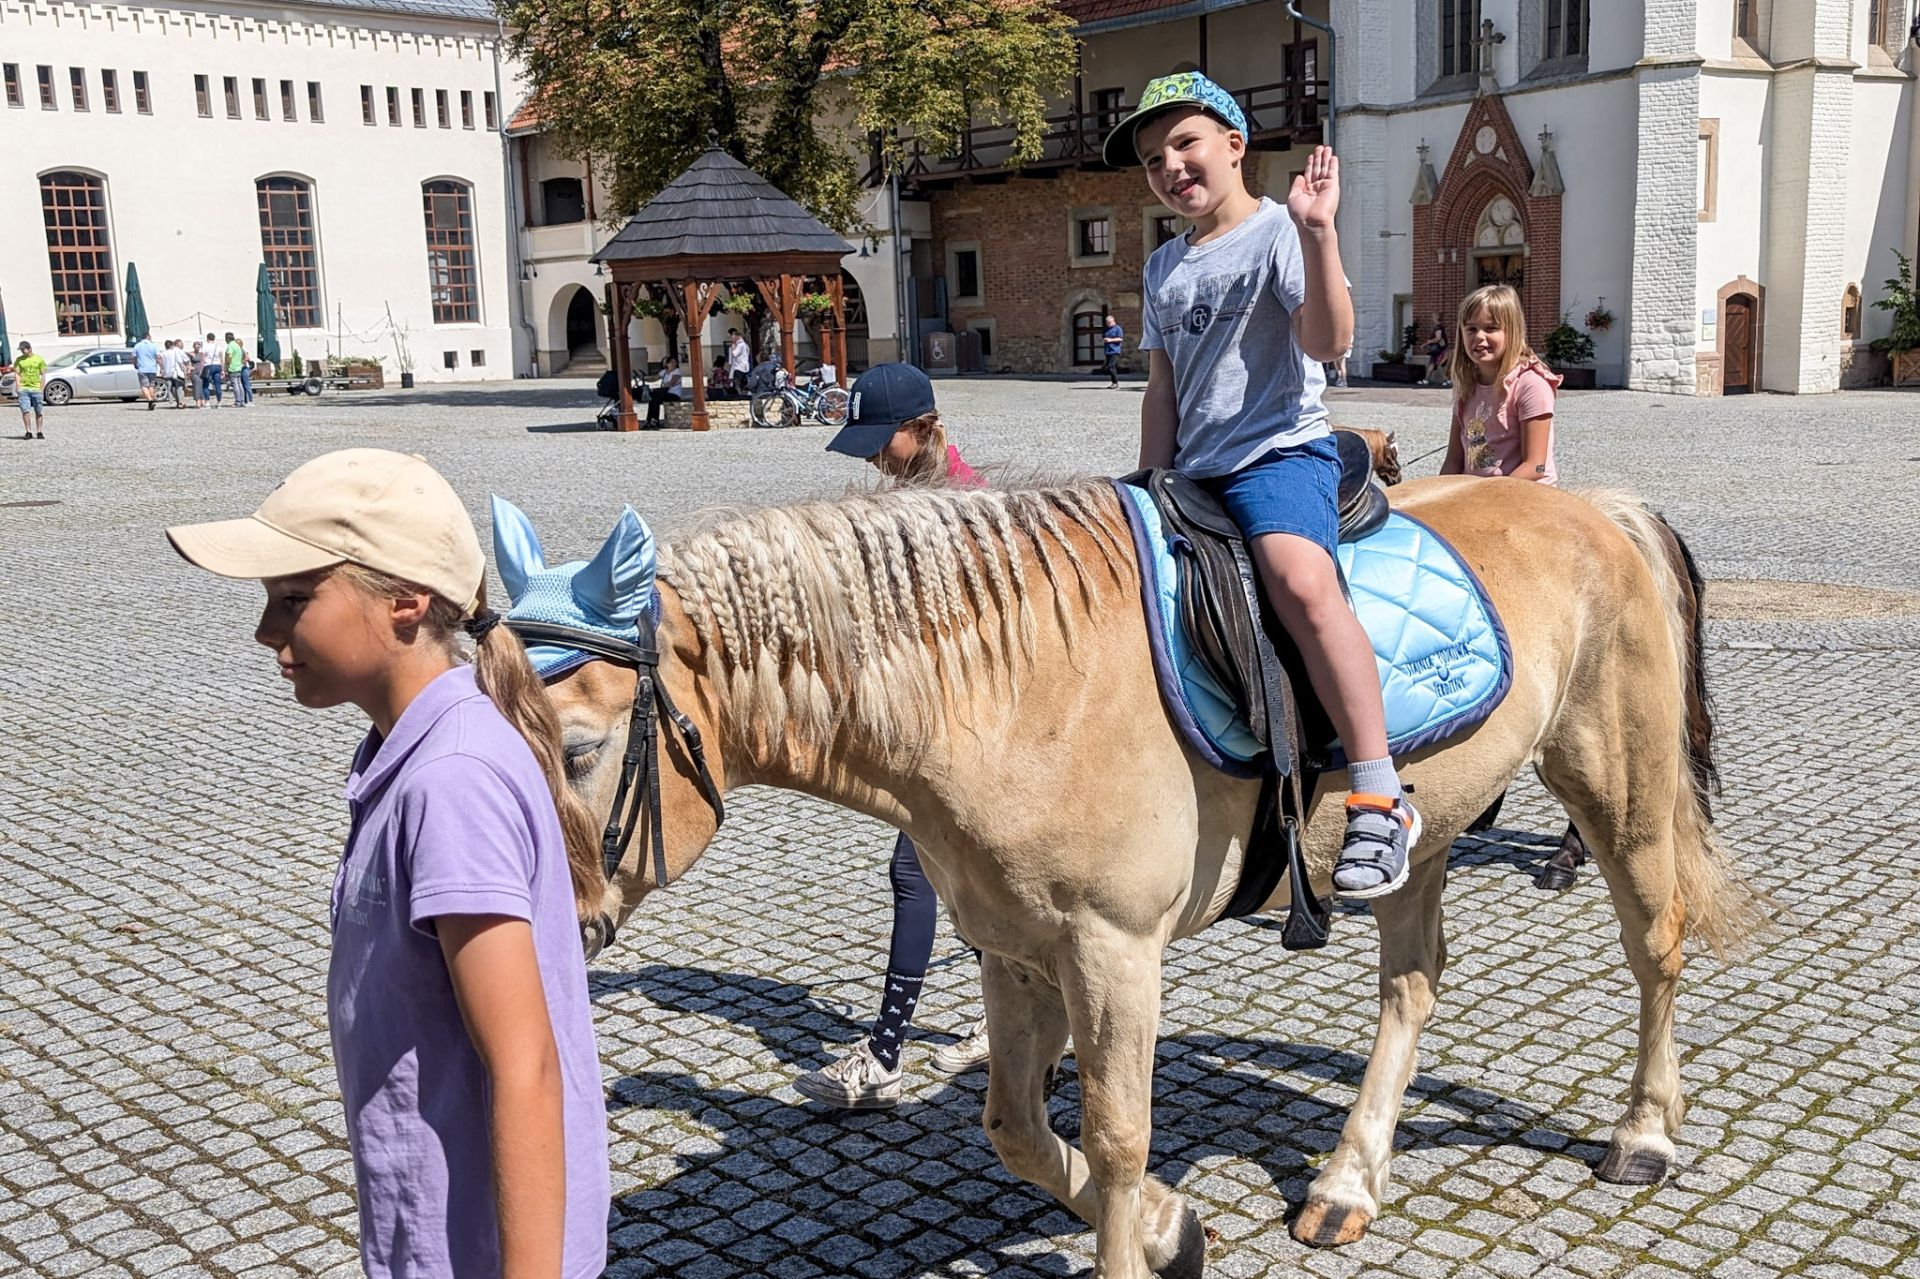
(892, 423)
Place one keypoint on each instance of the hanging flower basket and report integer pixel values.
(1599, 320)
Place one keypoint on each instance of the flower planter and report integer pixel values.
(406, 381)
(1577, 379)
(1906, 367)
(1401, 372)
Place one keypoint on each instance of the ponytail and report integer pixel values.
(503, 673)
(929, 464)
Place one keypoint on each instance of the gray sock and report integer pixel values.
(1375, 777)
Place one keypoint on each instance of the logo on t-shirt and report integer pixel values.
(1199, 316)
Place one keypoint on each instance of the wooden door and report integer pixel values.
(1500, 268)
(1737, 364)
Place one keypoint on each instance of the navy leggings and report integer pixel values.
(914, 913)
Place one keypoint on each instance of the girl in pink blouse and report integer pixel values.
(1502, 393)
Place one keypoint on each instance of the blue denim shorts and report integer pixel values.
(1289, 490)
(33, 401)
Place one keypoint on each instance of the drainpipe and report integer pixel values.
(1910, 237)
(902, 340)
(515, 268)
(1333, 61)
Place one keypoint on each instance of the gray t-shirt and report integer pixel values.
(1223, 312)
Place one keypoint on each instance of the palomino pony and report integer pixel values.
(973, 667)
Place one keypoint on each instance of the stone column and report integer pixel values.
(1803, 259)
(1662, 311)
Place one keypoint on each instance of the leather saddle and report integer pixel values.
(1235, 635)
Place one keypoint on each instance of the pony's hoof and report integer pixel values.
(1329, 1225)
(1630, 1167)
(1189, 1251)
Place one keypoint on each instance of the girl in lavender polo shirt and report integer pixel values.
(456, 994)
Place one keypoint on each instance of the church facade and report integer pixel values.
(1711, 190)
(355, 148)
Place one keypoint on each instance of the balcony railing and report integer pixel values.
(1277, 116)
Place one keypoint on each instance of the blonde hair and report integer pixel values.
(929, 464)
(503, 673)
(1502, 306)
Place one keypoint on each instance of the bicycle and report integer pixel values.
(790, 406)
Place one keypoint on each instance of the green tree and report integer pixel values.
(785, 86)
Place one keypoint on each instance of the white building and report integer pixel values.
(356, 147)
(1730, 176)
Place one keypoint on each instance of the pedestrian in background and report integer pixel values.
(29, 372)
(215, 369)
(456, 999)
(1113, 338)
(173, 362)
(146, 362)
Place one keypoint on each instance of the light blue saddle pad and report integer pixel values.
(1441, 650)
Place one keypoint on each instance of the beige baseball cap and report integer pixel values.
(390, 512)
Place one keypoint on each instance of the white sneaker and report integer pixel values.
(857, 1081)
(969, 1052)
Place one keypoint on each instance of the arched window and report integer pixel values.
(287, 246)
(1850, 312)
(79, 253)
(1089, 332)
(451, 273)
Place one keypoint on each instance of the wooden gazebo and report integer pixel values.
(717, 225)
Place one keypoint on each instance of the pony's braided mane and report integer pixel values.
(857, 610)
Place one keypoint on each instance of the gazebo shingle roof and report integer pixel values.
(720, 208)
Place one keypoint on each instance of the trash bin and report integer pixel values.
(968, 358)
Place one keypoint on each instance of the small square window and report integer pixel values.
(1096, 237)
(1107, 108)
(478, 359)
(366, 104)
(203, 95)
(450, 359)
(393, 106)
(77, 79)
(289, 105)
(110, 91)
(260, 111)
(315, 114)
(231, 86)
(441, 109)
(419, 108)
(493, 115)
(47, 101)
(1165, 227)
(142, 95)
(466, 108)
(15, 98)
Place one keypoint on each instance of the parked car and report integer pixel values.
(9, 385)
(106, 374)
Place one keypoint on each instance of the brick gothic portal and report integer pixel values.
(1489, 221)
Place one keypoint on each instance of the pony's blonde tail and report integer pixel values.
(1721, 908)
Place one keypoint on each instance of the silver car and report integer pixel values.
(106, 374)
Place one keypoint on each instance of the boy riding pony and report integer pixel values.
(1238, 315)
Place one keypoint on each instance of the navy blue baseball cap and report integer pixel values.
(884, 398)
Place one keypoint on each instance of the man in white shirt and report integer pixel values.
(739, 360)
(173, 371)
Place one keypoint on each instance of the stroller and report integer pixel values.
(608, 389)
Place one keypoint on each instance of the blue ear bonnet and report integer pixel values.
(607, 595)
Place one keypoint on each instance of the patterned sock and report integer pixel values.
(1375, 777)
(896, 1014)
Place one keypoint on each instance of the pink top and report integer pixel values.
(959, 474)
(1488, 421)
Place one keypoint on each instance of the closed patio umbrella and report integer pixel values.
(6, 347)
(136, 307)
(268, 345)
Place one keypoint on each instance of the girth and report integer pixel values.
(637, 797)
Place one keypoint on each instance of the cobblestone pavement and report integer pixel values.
(167, 1104)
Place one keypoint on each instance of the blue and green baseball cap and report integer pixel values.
(1181, 89)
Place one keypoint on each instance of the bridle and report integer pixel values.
(639, 785)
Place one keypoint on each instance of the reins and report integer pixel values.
(637, 798)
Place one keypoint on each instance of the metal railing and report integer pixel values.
(1284, 110)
